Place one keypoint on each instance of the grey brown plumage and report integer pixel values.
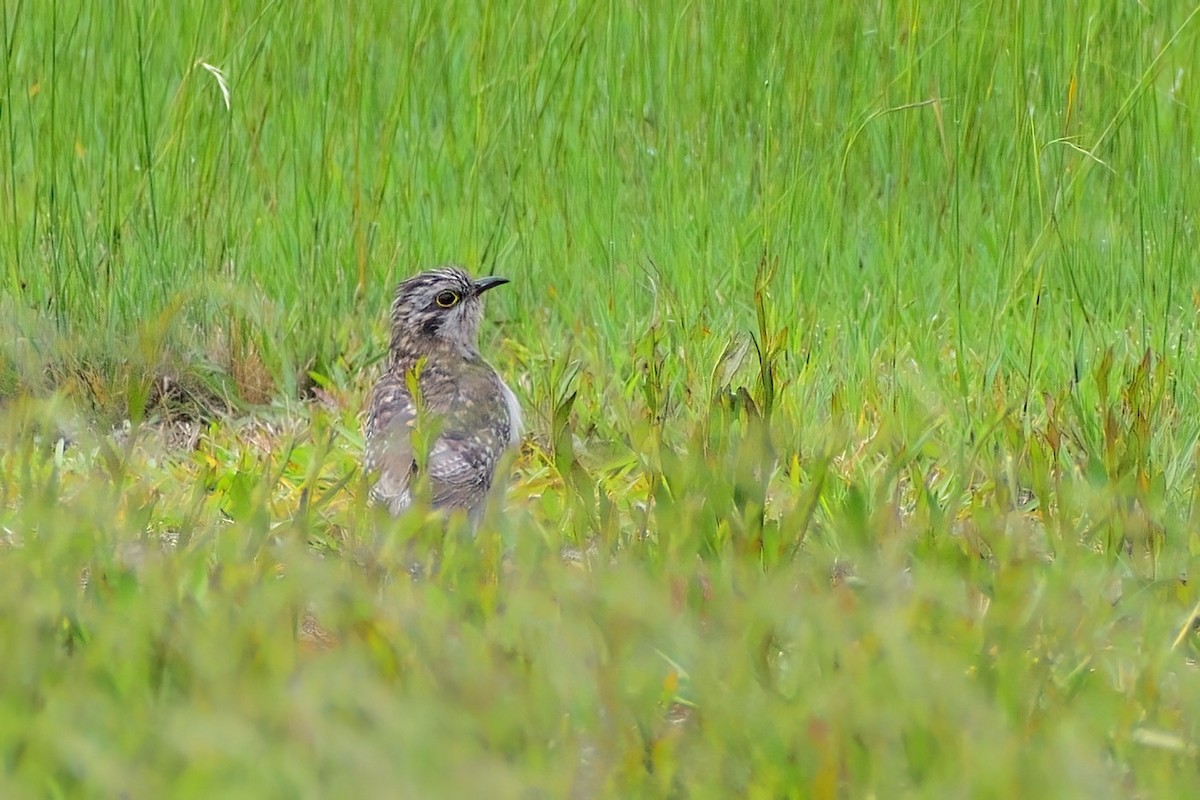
(461, 409)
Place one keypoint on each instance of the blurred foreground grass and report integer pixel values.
(217, 623)
(857, 351)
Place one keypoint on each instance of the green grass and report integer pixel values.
(857, 346)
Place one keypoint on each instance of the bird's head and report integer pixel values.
(441, 306)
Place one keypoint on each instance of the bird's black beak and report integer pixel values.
(490, 282)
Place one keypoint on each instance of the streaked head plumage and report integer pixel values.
(440, 306)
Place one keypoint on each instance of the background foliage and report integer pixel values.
(856, 343)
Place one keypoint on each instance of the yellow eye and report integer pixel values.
(447, 299)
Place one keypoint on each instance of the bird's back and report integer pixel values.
(466, 413)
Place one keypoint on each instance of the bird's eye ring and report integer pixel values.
(447, 299)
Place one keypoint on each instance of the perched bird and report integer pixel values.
(440, 417)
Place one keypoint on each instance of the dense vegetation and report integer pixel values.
(857, 345)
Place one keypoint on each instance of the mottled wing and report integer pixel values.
(476, 431)
(390, 418)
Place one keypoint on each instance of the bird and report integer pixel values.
(440, 417)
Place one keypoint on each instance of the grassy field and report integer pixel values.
(857, 344)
